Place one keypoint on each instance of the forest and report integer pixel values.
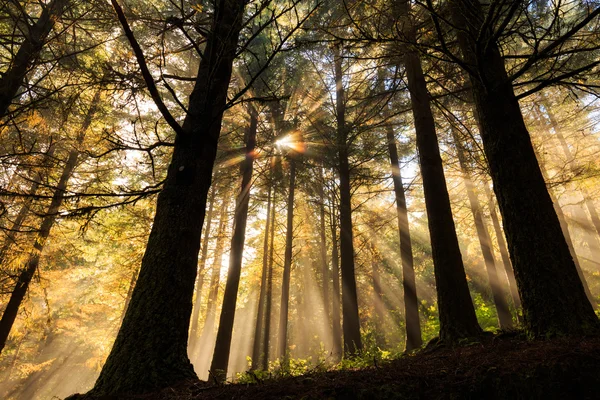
(299, 199)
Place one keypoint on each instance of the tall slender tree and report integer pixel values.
(457, 314)
(409, 284)
(201, 273)
(504, 316)
(220, 362)
(350, 320)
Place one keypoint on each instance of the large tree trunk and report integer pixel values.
(504, 316)
(336, 318)
(220, 362)
(31, 266)
(456, 311)
(258, 328)
(287, 267)
(29, 51)
(350, 320)
(409, 284)
(150, 350)
(512, 283)
(554, 302)
(193, 340)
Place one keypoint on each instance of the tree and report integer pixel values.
(411, 303)
(504, 316)
(350, 320)
(540, 255)
(218, 368)
(151, 347)
(32, 263)
(457, 314)
(201, 273)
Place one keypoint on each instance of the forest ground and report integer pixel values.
(496, 367)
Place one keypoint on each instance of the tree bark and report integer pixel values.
(150, 350)
(456, 311)
(409, 284)
(29, 51)
(287, 267)
(193, 340)
(258, 329)
(220, 362)
(504, 316)
(350, 319)
(553, 298)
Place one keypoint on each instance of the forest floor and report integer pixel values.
(496, 367)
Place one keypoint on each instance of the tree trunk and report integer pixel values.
(287, 267)
(256, 353)
(336, 318)
(456, 311)
(215, 276)
(269, 292)
(553, 298)
(29, 51)
(150, 350)
(193, 340)
(504, 316)
(350, 320)
(220, 362)
(323, 248)
(378, 297)
(512, 283)
(409, 284)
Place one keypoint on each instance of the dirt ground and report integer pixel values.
(498, 367)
